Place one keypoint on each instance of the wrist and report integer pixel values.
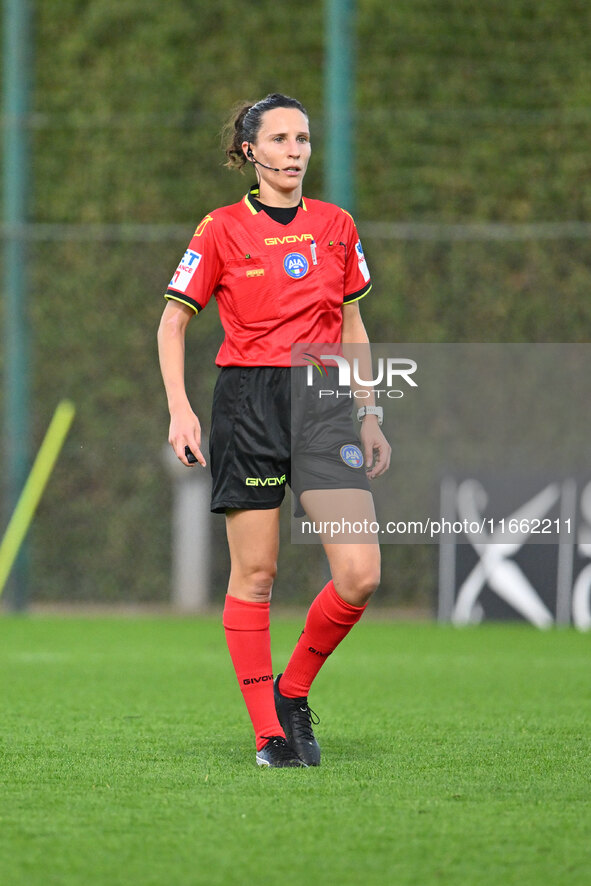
(375, 413)
(178, 404)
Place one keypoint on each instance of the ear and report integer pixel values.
(247, 150)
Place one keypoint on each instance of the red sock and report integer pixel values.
(328, 622)
(249, 641)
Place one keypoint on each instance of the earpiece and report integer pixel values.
(252, 157)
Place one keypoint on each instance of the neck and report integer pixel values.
(281, 199)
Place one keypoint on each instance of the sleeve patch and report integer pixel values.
(184, 273)
(361, 260)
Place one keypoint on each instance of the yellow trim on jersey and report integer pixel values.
(357, 298)
(304, 207)
(202, 225)
(180, 299)
(249, 204)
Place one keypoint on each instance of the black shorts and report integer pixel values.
(258, 444)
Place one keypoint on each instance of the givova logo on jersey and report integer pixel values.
(184, 273)
(295, 265)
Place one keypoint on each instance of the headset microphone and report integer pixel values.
(251, 156)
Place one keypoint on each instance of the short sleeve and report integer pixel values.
(199, 270)
(357, 278)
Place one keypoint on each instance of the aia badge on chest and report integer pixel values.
(295, 265)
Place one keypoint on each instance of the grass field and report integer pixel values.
(449, 757)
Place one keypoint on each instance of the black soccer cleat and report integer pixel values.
(278, 754)
(296, 718)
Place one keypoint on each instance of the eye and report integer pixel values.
(304, 139)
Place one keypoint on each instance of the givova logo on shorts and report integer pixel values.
(265, 481)
(295, 265)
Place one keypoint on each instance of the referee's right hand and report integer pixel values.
(185, 434)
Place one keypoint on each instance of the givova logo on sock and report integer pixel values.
(317, 652)
(250, 680)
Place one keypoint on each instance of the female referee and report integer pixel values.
(284, 270)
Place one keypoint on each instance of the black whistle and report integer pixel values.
(190, 456)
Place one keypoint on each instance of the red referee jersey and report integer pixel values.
(275, 285)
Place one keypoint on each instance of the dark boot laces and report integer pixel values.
(302, 719)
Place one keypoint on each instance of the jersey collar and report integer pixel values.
(254, 192)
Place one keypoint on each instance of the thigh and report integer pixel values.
(341, 516)
(253, 541)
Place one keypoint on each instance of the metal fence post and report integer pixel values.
(17, 67)
(191, 534)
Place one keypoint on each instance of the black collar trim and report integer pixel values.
(252, 201)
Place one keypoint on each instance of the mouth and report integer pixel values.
(292, 170)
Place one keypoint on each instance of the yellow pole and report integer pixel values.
(33, 489)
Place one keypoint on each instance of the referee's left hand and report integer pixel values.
(376, 449)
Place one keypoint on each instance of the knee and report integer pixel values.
(260, 585)
(357, 585)
(255, 585)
